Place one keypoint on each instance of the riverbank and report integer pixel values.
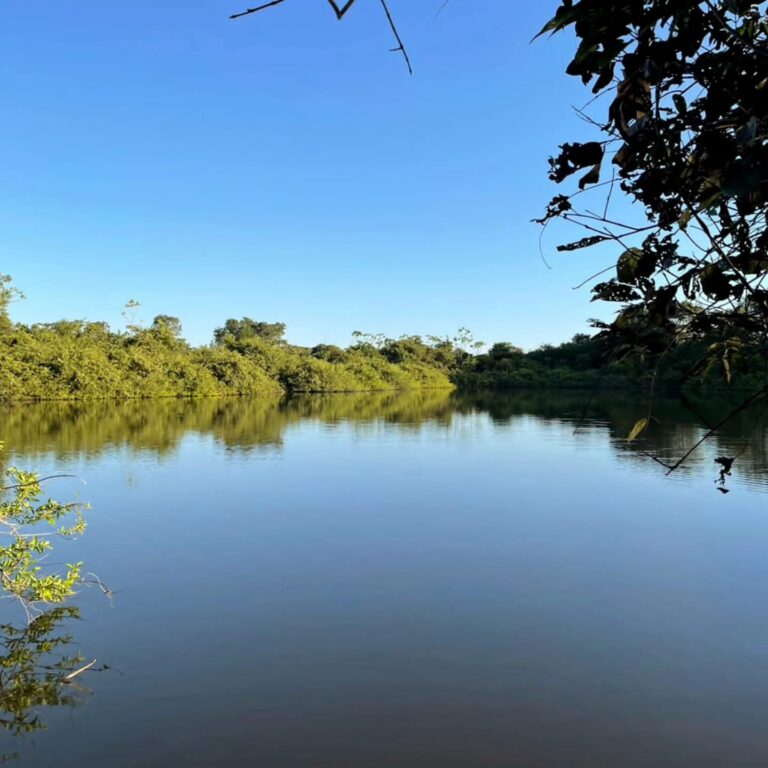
(87, 361)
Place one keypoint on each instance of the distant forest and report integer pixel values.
(77, 359)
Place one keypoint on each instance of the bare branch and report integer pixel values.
(34, 482)
(340, 12)
(400, 47)
(72, 675)
(256, 9)
(440, 10)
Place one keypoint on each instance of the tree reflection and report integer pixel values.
(69, 430)
(37, 673)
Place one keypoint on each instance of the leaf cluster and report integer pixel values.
(681, 113)
(27, 524)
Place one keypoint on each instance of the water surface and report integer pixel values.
(414, 580)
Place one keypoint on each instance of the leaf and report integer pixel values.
(628, 265)
(565, 15)
(685, 219)
(590, 178)
(573, 157)
(638, 429)
(613, 291)
(727, 369)
(715, 283)
(585, 242)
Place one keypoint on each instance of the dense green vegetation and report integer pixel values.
(75, 359)
(78, 360)
(584, 362)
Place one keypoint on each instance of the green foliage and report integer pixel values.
(168, 329)
(245, 328)
(587, 361)
(27, 524)
(79, 360)
(34, 673)
(75, 359)
(329, 352)
(8, 293)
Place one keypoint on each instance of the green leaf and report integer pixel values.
(638, 429)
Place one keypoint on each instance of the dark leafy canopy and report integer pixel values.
(684, 134)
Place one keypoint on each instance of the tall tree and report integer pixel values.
(8, 294)
(245, 328)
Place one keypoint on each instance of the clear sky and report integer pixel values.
(286, 167)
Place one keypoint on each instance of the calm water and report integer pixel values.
(408, 581)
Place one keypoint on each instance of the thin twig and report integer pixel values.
(592, 277)
(400, 47)
(257, 9)
(72, 675)
(34, 482)
(654, 458)
(541, 247)
(440, 10)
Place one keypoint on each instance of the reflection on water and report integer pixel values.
(420, 580)
(678, 424)
(37, 672)
(158, 426)
(244, 424)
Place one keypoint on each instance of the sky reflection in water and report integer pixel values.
(421, 579)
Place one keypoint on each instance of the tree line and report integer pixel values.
(79, 359)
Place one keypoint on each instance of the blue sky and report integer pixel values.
(285, 167)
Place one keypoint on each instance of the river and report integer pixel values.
(413, 580)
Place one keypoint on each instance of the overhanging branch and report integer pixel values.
(341, 12)
(256, 9)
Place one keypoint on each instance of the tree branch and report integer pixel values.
(256, 9)
(37, 481)
(340, 12)
(400, 47)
